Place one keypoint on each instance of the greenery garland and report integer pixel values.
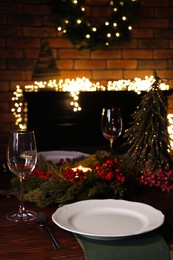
(76, 26)
(60, 184)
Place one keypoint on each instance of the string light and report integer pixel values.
(73, 22)
(74, 87)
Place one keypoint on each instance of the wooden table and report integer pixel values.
(28, 241)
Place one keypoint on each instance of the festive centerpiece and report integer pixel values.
(66, 181)
(104, 175)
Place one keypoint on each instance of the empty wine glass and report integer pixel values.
(111, 124)
(21, 160)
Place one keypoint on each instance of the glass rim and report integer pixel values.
(22, 131)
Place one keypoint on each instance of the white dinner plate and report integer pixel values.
(55, 156)
(108, 218)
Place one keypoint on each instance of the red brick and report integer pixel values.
(170, 64)
(8, 31)
(170, 103)
(25, 20)
(154, 3)
(72, 74)
(98, 2)
(147, 12)
(152, 64)
(3, 64)
(21, 42)
(170, 81)
(144, 33)
(65, 64)
(108, 54)
(38, 31)
(171, 44)
(156, 23)
(7, 8)
(163, 54)
(4, 86)
(2, 42)
(6, 117)
(37, 9)
(100, 75)
(131, 74)
(89, 64)
(3, 19)
(11, 53)
(48, 21)
(14, 64)
(137, 54)
(31, 53)
(165, 74)
(59, 42)
(5, 97)
(12, 75)
(5, 128)
(121, 64)
(132, 44)
(164, 12)
(154, 43)
(166, 33)
(73, 54)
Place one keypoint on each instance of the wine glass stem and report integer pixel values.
(111, 145)
(21, 207)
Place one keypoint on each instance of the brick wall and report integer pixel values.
(23, 24)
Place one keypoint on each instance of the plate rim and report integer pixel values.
(66, 207)
(76, 154)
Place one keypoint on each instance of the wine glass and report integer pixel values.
(21, 160)
(111, 124)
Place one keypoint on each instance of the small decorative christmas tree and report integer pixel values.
(147, 138)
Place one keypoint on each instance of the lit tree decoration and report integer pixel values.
(148, 141)
(73, 22)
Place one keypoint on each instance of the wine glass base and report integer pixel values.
(25, 216)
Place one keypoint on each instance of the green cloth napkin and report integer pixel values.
(149, 246)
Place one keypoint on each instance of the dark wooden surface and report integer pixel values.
(30, 242)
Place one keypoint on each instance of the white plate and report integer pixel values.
(55, 156)
(108, 219)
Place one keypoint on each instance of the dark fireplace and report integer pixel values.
(56, 126)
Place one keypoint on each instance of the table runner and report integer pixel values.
(149, 246)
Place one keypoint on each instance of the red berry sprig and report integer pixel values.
(109, 171)
(162, 178)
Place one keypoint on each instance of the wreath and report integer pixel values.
(73, 22)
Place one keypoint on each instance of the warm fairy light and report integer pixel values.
(94, 29)
(136, 85)
(170, 129)
(75, 86)
(17, 110)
